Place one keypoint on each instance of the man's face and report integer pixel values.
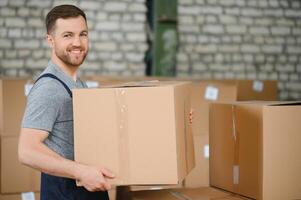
(69, 40)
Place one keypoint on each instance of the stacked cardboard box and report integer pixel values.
(140, 132)
(15, 178)
(254, 149)
(203, 94)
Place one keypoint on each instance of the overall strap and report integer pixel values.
(56, 78)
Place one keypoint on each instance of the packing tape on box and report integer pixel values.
(123, 135)
(236, 149)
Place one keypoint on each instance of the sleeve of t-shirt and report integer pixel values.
(43, 106)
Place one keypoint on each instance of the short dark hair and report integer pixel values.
(62, 11)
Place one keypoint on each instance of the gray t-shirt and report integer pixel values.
(49, 108)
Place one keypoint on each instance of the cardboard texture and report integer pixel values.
(12, 105)
(202, 193)
(141, 133)
(22, 196)
(210, 91)
(15, 177)
(254, 149)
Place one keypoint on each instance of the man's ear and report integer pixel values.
(50, 40)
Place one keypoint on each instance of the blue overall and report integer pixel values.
(60, 188)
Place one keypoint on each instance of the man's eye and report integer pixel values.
(67, 35)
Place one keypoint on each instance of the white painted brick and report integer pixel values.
(211, 48)
(127, 47)
(101, 16)
(280, 30)
(232, 11)
(117, 56)
(211, 19)
(296, 4)
(90, 5)
(107, 26)
(142, 47)
(136, 37)
(236, 39)
(14, 33)
(214, 29)
(228, 48)
(132, 27)
(236, 29)
(285, 68)
(3, 3)
(137, 7)
(219, 58)
(138, 17)
(227, 19)
(246, 20)
(292, 13)
(274, 3)
(267, 67)
(28, 33)
(249, 48)
(115, 6)
(40, 33)
(226, 39)
(210, 10)
(23, 53)
(200, 19)
(285, 22)
(4, 43)
(38, 3)
(293, 58)
(272, 48)
(189, 10)
(15, 22)
(134, 57)
(7, 12)
(263, 4)
(37, 54)
(182, 57)
(248, 58)
(186, 2)
(252, 3)
(291, 40)
(36, 63)
(259, 30)
(185, 19)
(35, 22)
(23, 12)
(259, 58)
(16, 3)
(189, 29)
(12, 63)
(29, 44)
(264, 21)
(273, 12)
(200, 66)
(114, 66)
(294, 49)
(10, 54)
(3, 32)
(104, 55)
(105, 46)
(294, 77)
(227, 2)
(114, 17)
(251, 12)
(200, 2)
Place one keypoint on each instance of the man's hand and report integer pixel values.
(94, 178)
(191, 116)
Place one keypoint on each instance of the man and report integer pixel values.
(46, 140)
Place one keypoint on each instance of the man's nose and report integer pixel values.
(76, 41)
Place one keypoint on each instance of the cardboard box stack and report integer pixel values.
(255, 149)
(15, 178)
(140, 132)
(203, 94)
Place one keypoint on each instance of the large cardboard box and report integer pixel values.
(21, 196)
(202, 193)
(12, 105)
(141, 132)
(15, 177)
(255, 149)
(210, 91)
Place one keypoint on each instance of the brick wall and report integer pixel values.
(254, 39)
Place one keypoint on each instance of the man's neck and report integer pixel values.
(68, 70)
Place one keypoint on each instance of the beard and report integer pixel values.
(70, 58)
